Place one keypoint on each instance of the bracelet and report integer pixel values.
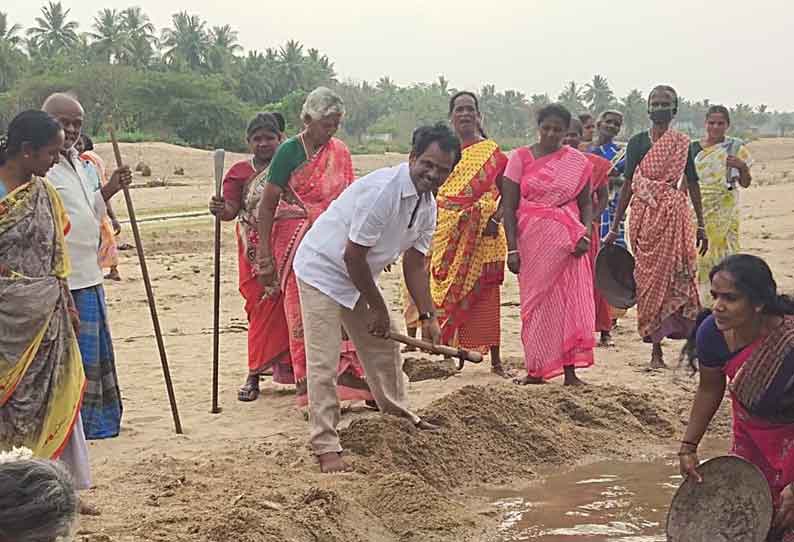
(494, 221)
(688, 443)
(511, 252)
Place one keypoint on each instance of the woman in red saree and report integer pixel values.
(748, 340)
(548, 215)
(469, 246)
(308, 172)
(268, 342)
(599, 183)
(661, 229)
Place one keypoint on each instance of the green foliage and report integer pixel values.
(195, 85)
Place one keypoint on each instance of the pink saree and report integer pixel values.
(556, 287)
(311, 189)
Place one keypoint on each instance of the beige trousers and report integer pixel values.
(323, 319)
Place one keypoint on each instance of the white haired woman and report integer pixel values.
(38, 501)
(307, 173)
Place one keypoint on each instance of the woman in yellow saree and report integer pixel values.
(722, 164)
(469, 247)
(41, 372)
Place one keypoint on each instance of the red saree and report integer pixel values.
(556, 287)
(662, 233)
(599, 179)
(268, 338)
(311, 189)
(467, 268)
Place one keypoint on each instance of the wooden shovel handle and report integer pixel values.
(474, 357)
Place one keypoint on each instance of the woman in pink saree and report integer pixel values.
(307, 173)
(548, 202)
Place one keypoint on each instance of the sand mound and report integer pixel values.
(492, 433)
(419, 369)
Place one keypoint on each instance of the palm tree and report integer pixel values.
(291, 61)
(142, 41)
(55, 33)
(223, 46)
(571, 97)
(598, 94)
(8, 34)
(11, 58)
(635, 112)
(110, 36)
(187, 43)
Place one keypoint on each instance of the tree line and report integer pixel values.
(192, 83)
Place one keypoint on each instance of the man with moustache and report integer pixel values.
(86, 206)
(386, 214)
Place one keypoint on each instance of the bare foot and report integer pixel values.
(528, 380)
(87, 509)
(332, 462)
(573, 381)
(657, 358)
(606, 340)
(424, 425)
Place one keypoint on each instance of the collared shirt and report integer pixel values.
(86, 208)
(381, 211)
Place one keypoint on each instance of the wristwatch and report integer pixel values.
(423, 316)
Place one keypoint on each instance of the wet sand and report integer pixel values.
(247, 474)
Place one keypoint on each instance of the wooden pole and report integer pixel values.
(448, 351)
(219, 158)
(149, 292)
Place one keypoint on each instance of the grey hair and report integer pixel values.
(603, 115)
(322, 102)
(38, 501)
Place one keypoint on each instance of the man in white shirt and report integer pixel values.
(386, 214)
(86, 206)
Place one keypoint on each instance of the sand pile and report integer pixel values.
(407, 483)
(420, 368)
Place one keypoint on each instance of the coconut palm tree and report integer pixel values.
(55, 33)
(635, 112)
(291, 62)
(8, 34)
(142, 41)
(571, 97)
(187, 43)
(598, 94)
(223, 46)
(110, 36)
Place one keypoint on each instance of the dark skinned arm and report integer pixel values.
(711, 390)
(585, 203)
(697, 203)
(511, 193)
(602, 195)
(265, 214)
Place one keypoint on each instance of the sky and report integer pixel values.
(729, 51)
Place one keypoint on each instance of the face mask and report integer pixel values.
(661, 116)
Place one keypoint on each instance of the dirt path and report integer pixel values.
(247, 473)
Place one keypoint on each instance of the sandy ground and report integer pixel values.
(247, 474)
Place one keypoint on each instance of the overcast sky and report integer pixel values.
(727, 51)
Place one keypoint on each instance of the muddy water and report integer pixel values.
(601, 502)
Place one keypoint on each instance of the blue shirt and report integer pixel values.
(609, 151)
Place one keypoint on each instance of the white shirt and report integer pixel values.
(86, 209)
(375, 211)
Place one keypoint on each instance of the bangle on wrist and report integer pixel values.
(690, 443)
(511, 252)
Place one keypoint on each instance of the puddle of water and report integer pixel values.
(601, 502)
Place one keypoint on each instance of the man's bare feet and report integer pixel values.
(424, 425)
(528, 380)
(250, 390)
(498, 369)
(332, 462)
(87, 509)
